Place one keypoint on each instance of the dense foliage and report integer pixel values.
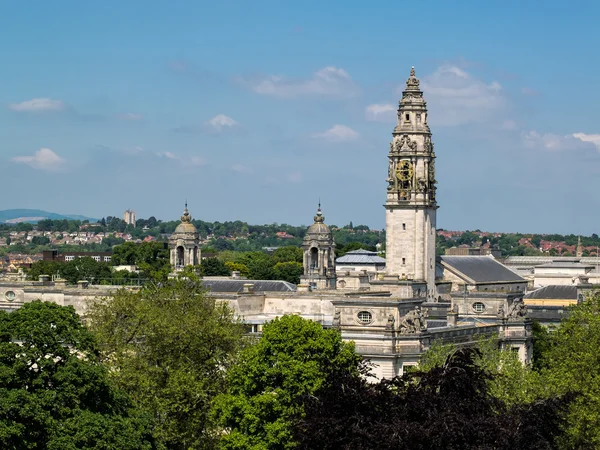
(54, 393)
(294, 358)
(169, 347)
(448, 407)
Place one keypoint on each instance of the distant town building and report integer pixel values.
(53, 255)
(129, 217)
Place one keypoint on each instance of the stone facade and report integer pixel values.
(184, 243)
(411, 203)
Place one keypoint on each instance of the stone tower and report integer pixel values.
(319, 255)
(184, 243)
(411, 205)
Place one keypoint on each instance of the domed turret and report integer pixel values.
(319, 254)
(186, 225)
(184, 243)
(319, 226)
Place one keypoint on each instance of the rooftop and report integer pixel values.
(360, 257)
(479, 269)
(553, 292)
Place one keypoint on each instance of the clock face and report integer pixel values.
(404, 171)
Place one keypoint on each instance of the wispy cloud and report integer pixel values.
(327, 82)
(130, 116)
(381, 112)
(38, 105)
(197, 161)
(590, 138)
(294, 177)
(556, 142)
(529, 92)
(456, 97)
(168, 155)
(221, 123)
(338, 133)
(43, 159)
(241, 168)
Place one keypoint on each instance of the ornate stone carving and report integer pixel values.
(517, 311)
(414, 321)
(404, 143)
(336, 319)
(421, 185)
(391, 321)
(431, 173)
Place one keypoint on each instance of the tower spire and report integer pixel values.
(319, 216)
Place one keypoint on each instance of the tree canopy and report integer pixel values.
(293, 358)
(448, 407)
(54, 393)
(169, 347)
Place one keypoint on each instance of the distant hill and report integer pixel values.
(35, 215)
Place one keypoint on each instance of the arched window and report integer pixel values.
(180, 259)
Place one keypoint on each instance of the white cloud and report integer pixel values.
(381, 112)
(43, 159)
(168, 155)
(130, 116)
(591, 138)
(197, 161)
(221, 123)
(509, 125)
(456, 97)
(327, 82)
(557, 142)
(294, 177)
(338, 133)
(38, 105)
(241, 168)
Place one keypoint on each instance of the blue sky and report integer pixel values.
(254, 110)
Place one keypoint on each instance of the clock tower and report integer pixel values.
(411, 204)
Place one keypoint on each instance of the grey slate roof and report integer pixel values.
(566, 265)
(480, 269)
(236, 286)
(360, 256)
(554, 291)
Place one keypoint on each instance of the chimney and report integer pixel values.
(83, 284)
(248, 288)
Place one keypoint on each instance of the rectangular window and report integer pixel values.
(403, 261)
(408, 117)
(404, 226)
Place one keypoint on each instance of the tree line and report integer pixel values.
(168, 367)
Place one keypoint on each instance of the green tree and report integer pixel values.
(293, 358)
(238, 267)
(288, 271)
(55, 393)
(287, 254)
(169, 346)
(572, 364)
(511, 381)
(214, 267)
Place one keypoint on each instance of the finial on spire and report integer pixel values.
(319, 216)
(413, 82)
(186, 215)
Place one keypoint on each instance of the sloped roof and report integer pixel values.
(479, 269)
(236, 286)
(360, 256)
(554, 292)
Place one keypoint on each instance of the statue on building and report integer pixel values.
(414, 321)
(517, 310)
